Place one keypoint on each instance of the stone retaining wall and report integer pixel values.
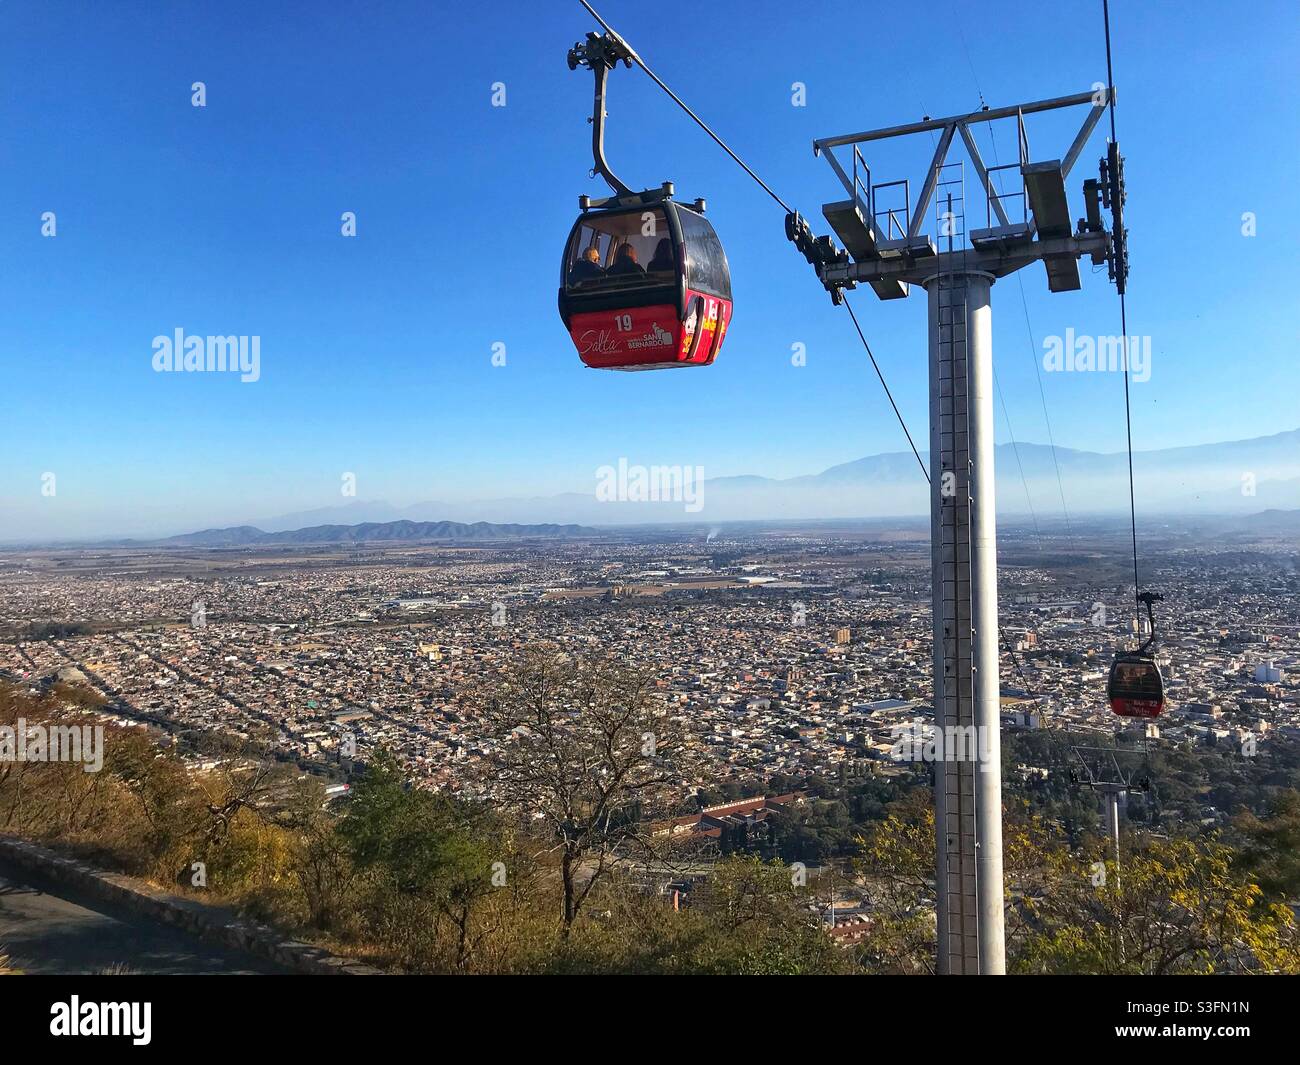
(216, 924)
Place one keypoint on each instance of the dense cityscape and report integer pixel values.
(784, 652)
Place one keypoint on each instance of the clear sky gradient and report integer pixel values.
(376, 351)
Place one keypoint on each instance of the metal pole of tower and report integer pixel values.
(984, 597)
(963, 553)
(963, 514)
(1112, 797)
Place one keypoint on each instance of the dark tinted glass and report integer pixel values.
(706, 262)
(626, 250)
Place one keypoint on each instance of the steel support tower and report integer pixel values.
(880, 227)
(964, 595)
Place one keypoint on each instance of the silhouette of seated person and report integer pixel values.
(663, 260)
(587, 268)
(625, 263)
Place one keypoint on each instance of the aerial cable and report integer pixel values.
(1015, 446)
(766, 188)
(924, 472)
(1042, 395)
(1033, 358)
(1015, 450)
(1051, 440)
(1123, 320)
(682, 104)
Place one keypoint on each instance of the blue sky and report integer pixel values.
(376, 350)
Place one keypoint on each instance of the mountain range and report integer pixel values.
(1234, 477)
(370, 532)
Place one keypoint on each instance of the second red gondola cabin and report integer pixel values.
(1134, 687)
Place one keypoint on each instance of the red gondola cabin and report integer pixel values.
(645, 287)
(1135, 688)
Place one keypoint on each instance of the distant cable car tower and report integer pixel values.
(886, 247)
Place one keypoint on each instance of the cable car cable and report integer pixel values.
(1056, 462)
(1123, 319)
(1015, 450)
(1042, 395)
(1015, 446)
(1038, 374)
(1120, 269)
(681, 103)
(1052, 738)
(924, 472)
(1134, 687)
(766, 188)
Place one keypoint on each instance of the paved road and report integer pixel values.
(49, 928)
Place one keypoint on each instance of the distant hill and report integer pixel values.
(1232, 479)
(1265, 523)
(372, 532)
(232, 537)
(1235, 477)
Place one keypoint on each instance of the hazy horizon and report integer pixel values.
(888, 486)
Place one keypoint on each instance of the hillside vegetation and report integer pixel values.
(425, 882)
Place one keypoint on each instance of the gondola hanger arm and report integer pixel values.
(1149, 599)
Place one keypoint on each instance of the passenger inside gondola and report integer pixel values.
(625, 262)
(1133, 676)
(663, 258)
(586, 268)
